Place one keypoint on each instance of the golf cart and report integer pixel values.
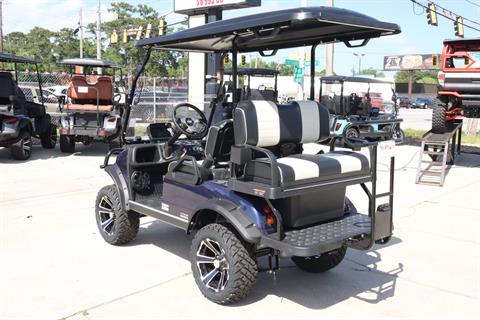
(20, 119)
(239, 196)
(262, 92)
(94, 105)
(361, 108)
(459, 84)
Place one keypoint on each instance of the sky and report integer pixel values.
(416, 37)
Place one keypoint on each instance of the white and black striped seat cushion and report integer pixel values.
(266, 124)
(305, 168)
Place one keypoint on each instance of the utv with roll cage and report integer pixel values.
(93, 108)
(237, 192)
(20, 119)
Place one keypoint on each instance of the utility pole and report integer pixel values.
(330, 51)
(81, 32)
(99, 35)
(1, 26)
(359, 56)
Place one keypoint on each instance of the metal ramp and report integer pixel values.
(437, 152)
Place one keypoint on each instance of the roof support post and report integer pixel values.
(312, 72)
(234, 71)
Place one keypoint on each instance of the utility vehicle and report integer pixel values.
(94, 105)
(21, 118)
(459, 84)
(241, 192)
(262, 91)
(355, 115)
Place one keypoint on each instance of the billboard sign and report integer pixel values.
(412, 62)
(191, 7)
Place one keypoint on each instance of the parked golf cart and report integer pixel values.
(262, 91)
(459, 84)
(242, 200)
(20, 119)
(94, 105)
(355, 115)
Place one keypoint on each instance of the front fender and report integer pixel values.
(239, 219)
(121, 185)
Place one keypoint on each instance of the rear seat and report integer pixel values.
(85, 95)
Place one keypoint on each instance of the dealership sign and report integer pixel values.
(199, 6)
(412, 62)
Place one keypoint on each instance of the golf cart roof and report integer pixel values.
(337, 79)
(254, 72)
(468, 41)
(276, 30)
(90, 62)
(8, 57)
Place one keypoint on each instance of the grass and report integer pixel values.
(412, 134)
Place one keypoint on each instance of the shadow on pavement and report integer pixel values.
(358, 276)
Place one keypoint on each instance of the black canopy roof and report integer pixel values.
(254, 72)
(8, 57)
(337, 79)
(90, 62)
(276, 30)
(468, 41)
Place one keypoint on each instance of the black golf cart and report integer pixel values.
(361, 108)
(240, 192)
(262, 91)
(20, 119)
(94, 106)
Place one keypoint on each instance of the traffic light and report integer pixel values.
(114, 37)
(435, 60)
(243, 59)
(162, 27)
(226, 60)
(148, 32)
(458, 25)
(432, 14)
(139, 33)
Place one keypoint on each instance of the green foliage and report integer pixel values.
(427, 77)
(372, 72)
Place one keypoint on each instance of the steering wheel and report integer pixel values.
(190, 121)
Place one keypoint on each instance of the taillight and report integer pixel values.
(102, 133)
(441, 78)
(11, 120)
(269, 216)
(112, 119)
(337, 126)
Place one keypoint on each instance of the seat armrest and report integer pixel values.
(240, 155)
(271, 158)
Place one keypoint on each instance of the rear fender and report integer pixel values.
(233, 214)
(121, 185)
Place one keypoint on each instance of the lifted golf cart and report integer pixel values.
(20, 120)
(459, 89)
(243, 200)
(94, 105)
(361, 108)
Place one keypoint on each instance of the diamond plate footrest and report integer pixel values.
(321, 238)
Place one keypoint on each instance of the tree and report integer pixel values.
(429, 77)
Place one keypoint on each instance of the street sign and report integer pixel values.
(298, 75)
(317, 63)
(292, 63)
(191, 7)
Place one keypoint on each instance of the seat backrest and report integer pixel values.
(220, 140)
(105, 88)
(7, 87)
(266, 124)
(79, 89)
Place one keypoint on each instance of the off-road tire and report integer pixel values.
(49, 138)
(22, 149)
(321, 263)
(67, 144)
(125, 224)
(242, 267)
(438, 117)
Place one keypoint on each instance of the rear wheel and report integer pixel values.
(350, 132)
(223, 269)
(67, 144)
(321, 263)
(116, 225)
(438, 117)
(49, 138)
(22, 150)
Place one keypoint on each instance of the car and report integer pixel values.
(21, 118)
(58, 93)
(458, 95)
(404, 102)
(93, 108)
(242, 186)
(360, 114)
(421, 103)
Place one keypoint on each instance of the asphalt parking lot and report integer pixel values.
(56, 266)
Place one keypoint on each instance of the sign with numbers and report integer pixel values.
(191, 7)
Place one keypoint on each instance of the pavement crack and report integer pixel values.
(85, 312)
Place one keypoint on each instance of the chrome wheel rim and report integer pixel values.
(352, 133)
(106, 215)
(27, 146)
(212, 265)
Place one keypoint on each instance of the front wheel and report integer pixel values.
(116, 225)
(350, 132)
(22, 149)
(438, 117)
(223, 269)
(322, 262)
(67, 144)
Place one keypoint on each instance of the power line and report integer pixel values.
(473, 3)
